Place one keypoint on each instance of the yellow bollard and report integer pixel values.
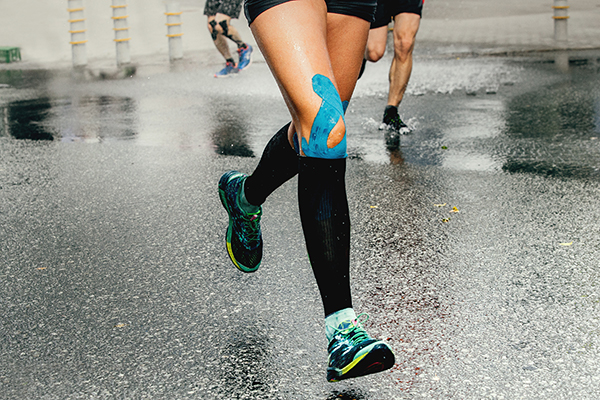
(561, 11)
(121, 28)
(77, 31)
(174, 31)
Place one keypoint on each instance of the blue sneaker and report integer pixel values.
(245, 57)
(243, 238)
(230, 69)
(353, 353)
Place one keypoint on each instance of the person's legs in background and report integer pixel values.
(407, 17)
(223, 48)
(219, 14)
(377, 40)
(376, 43)
(406, 26)
(229, 31)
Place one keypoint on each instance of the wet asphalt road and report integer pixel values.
(114, 280)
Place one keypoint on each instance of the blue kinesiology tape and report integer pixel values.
(328, 116)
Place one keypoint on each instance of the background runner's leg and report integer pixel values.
(376, 44)
(219, 39)
(228, 30)
(406, 26)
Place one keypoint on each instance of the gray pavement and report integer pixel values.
(115, 283)
(448, 27)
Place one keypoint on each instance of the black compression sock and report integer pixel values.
(326, 225)
(278, 164)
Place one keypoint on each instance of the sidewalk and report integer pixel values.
(448, 27)
(41, 31)
(510, 26)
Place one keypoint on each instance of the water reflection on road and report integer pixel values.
(229, 127)
(539, 118)
(554, 129)
(87, 119)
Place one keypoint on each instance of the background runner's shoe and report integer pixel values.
(392, 121)
(230, 69)
(243, 238)
(245, 57)
(353, 353)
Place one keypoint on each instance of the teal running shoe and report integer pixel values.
(243, 239)
(353, 353)
(245, 57)
(230, 69)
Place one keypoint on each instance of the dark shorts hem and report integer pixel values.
(388, 9)
(364, 9)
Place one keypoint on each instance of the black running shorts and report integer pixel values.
(388, 9)
(364, 9)
(231, 8)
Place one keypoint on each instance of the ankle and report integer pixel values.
(390, 109)
(334, 320)
(243, 202)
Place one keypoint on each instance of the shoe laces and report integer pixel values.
(354, 333)
(251, 227)
(394, 119)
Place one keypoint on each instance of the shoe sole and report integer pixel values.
(229, 230)
(375, 358)
(225, 76)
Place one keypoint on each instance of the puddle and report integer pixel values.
(553, 129)
(545, 168)
(89, 119)
(229, 128)
(25, 120)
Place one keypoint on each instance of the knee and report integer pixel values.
(213, 29)
(327, 137)
(375, 53)
(224, 27)
(403, 46)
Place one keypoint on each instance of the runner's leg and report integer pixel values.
(279, 162)
(300, 61)
(226, 29)
(406, 26)
(376, 43)
(305, 74)
(218, 39)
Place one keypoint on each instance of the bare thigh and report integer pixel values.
(306, 42)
